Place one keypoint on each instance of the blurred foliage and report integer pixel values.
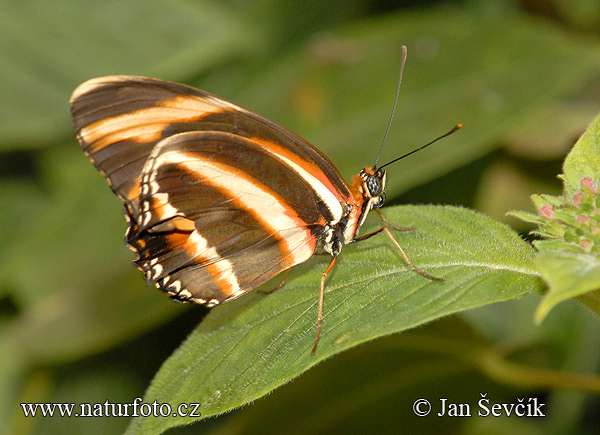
(77, 323)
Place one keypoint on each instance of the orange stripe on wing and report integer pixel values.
(311, 173)
(141, 126)
(197, 252)
(121, 97)
(134, 193)
(219, 268)
(264, 205)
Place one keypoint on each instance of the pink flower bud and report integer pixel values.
(546, 210)
(588, 182)
(583, 219)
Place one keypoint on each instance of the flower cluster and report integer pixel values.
(571, 223)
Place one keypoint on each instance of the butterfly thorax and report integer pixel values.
(368, 192)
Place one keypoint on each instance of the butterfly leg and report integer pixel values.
(320, 309)
(391, 224)
(281, 284)
(404, 255)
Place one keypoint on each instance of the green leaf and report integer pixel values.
(526, 216)
(380, 379)
(247, 348)
(583, 160)
(568, 274)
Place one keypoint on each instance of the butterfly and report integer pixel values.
(218, 199)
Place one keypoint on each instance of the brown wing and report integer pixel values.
(219, 199)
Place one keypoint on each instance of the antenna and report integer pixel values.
(387, 130)
(456, 127)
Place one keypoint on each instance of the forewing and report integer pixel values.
(119, 120)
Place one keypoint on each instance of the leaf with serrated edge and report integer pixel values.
(244, 349)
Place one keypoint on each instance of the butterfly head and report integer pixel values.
(373, 185)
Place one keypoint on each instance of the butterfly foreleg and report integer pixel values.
(387, 231)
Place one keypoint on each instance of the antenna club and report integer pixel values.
(456, 127)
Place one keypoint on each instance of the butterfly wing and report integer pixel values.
(119, 119)
(212, 227)
(219, 199)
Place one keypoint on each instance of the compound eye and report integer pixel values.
(374, 185)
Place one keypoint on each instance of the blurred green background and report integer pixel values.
(77, 323)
